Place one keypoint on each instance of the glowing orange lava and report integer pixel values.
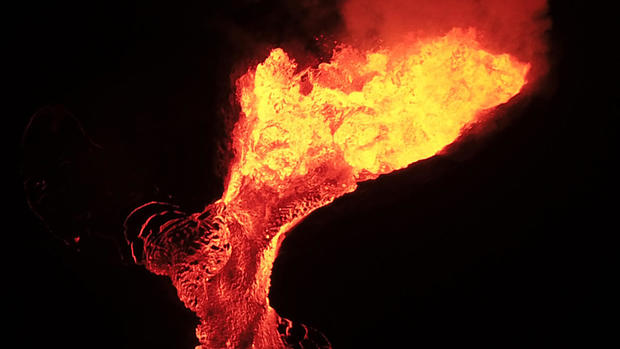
(372, 112)
(303, 139)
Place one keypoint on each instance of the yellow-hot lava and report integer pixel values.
(374, 112)
(303, 139)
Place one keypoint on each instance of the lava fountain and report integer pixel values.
(303, 139)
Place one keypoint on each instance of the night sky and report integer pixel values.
(503, 242)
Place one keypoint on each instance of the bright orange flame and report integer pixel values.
(372, 112)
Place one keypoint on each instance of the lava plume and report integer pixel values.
(304, 138)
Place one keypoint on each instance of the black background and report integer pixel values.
(504, 242)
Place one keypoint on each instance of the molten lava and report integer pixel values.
(304, 138)
(372, 112)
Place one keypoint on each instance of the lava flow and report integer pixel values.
(304, 138)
